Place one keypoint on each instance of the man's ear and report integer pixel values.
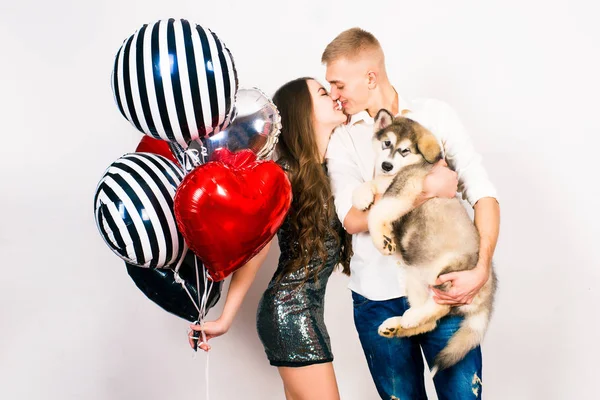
(372, 80)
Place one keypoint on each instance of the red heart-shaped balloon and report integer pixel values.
(228, 210)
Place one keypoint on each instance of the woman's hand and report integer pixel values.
(211, 329)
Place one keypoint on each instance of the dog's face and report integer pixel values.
(399, 142)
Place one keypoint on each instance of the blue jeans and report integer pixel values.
(396, 364)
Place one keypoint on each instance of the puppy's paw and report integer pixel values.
(389, 246)
(363, 196)
(390, 327)
(410, 319)
(384, 243)
(380, 230)
(381, 233)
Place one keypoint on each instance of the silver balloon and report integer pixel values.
(256, 126)
(195, 152)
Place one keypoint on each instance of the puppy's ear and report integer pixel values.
(383, 119)
(428, 145)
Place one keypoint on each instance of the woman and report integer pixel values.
(312, 241)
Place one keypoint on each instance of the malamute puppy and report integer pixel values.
(436, 238)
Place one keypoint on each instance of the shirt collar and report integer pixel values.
(364, 115)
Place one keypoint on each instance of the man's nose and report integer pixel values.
(335, 95)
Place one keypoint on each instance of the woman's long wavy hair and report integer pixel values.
(312, 205)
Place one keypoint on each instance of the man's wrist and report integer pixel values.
(422, 198)
(484, 266)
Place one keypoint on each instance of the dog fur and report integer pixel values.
(433, 239)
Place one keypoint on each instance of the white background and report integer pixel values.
(523, 76)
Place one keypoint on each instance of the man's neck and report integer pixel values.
(385, 97)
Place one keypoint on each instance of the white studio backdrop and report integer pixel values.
(523, 76)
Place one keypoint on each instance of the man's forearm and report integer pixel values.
(420, 199)
(487, 221)
(356, 221)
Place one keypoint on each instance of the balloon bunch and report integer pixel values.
(200, 196)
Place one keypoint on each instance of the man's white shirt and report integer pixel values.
(351, 161)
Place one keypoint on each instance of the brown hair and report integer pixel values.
(350, 44)
(312, 205)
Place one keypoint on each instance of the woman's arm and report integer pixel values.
(240, 283)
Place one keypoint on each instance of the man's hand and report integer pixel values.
(440, 182)
(465, 285)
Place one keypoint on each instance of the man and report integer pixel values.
(356, 71)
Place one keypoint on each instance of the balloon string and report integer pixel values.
(180, 280)
(203, 300)
(206, 377)
(200, 306)
(202, 309)
(180, 262)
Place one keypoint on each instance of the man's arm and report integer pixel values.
(356, 221)
(440, 182)
(478, 190)
(345, 176)
(466, 284)
(487, 221)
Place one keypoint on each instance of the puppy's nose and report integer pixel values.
(387, 166)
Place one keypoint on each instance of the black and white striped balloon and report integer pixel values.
(174, 80)
(134, 210)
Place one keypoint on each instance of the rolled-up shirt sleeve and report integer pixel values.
(473, 180)
(344, 172)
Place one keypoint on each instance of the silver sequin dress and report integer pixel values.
(290, 319)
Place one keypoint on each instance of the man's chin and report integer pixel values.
(349, 111)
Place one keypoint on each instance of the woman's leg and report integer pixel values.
(313, 382)
(288, 396)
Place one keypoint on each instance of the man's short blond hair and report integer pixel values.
(351, 44)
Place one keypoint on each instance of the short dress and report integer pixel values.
(290, 319)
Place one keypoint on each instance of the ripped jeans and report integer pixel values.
(396, 364)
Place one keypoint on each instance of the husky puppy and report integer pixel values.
(433, 239)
